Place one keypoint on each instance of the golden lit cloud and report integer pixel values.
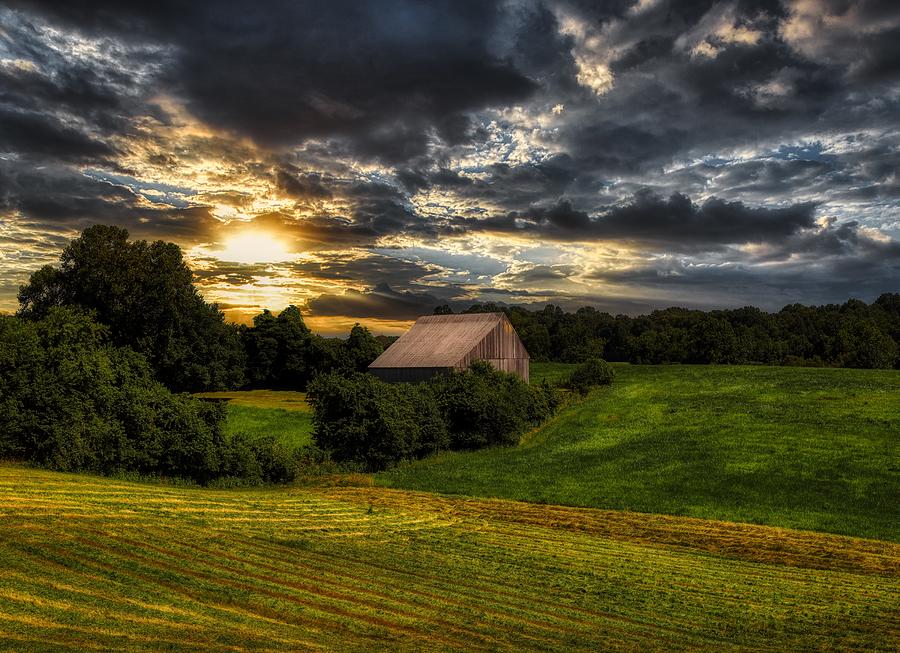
(255, 247)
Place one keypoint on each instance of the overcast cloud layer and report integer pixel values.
(628, 155)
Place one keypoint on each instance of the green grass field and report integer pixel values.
(802, 448)
(551, 372)
(284, 414)
(89, 563)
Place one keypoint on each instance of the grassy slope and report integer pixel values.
(802, 448)
(551, 372)
(99, 564)
(284, 414)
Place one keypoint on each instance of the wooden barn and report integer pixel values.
(440, 343)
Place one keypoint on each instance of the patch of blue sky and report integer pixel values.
(153, 191)
(474, 264)
(803, 152)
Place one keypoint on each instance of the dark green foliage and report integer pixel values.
(279, 350)
(266, 459)
(363, 419)
(283, 353)
(590, 374)
(862, 344)
(483, 407)
(362, 348)
(71, 401)
(360, 418)
(853, 334)
(144, 293)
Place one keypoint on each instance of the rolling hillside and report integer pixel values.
(96, 564)
(802, 448)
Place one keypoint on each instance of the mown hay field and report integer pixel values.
(90, 563)
(815, 449)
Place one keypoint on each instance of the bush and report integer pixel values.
(589, 374)
(483, 407)
(365, 420)
(362, 419)
(72, 402)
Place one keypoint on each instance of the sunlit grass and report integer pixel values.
(284, 399)
(803, 448)
(89, 563)
(282, 414)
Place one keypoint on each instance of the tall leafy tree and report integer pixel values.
(281, 350)
(144, 293)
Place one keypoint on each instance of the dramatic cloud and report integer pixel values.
(397, 154)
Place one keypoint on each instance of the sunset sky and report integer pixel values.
(368, 161)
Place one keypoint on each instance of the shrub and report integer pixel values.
(71, 401)
(365, 420)
(589, 374)
(484, 407)
(362, 419)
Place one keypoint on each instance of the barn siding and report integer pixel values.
(407, 374)
(438, 343)
(502, 349)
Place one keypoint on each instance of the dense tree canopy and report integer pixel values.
(853, 334)
(283, 353)
(72, 401)
(143, 292)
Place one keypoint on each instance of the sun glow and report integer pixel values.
(250, 247)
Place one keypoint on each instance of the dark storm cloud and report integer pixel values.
(513, 186)
(690, 78)
(363, 267)
(397, 123)
(652, 220)
(300, 185)
(381, 302)
(56, 198)
(826, 264)
(28, 133)
(379, 74)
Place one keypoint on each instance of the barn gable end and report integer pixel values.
(439, 343)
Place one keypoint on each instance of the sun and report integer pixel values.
(254, 247)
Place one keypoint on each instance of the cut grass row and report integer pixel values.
(813, 449)
(89, 563)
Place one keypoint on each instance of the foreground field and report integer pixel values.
(99, 564)
(802, 448)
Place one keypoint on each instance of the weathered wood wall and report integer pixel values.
(407, 374)
(437, 343)
(502, 349)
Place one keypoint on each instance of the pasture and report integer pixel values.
(284, 414)
(89, 563)
(803, 448)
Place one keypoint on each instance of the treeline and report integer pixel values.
(73, 401)
(853, 334)
(143, 293)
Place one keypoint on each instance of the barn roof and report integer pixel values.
(439, 340)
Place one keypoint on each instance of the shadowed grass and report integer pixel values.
(803, 448)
